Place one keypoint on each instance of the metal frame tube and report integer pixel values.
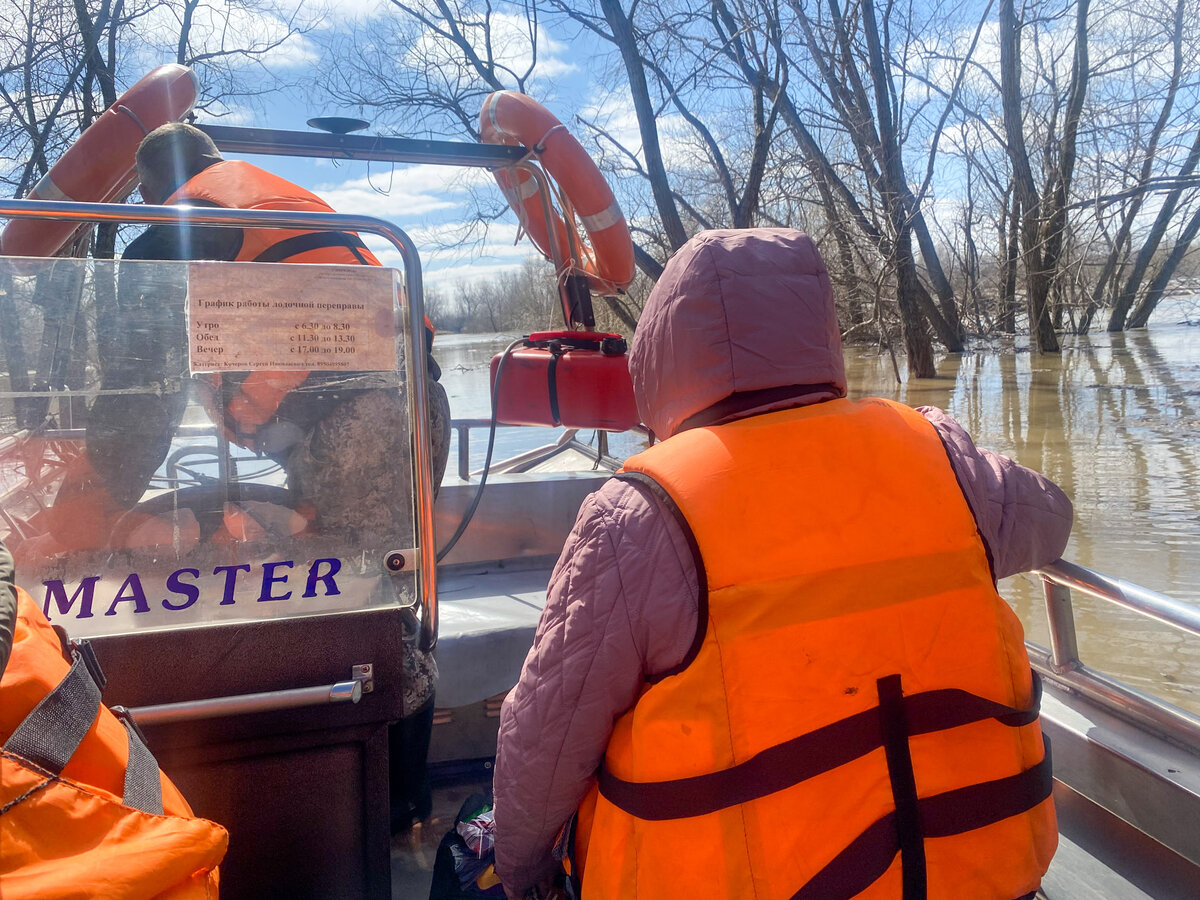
(1063, 645)
(317, 221)
(1126, 702)
(1062, 665)
(1124, 593)
(245, 704)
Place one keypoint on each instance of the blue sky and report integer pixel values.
(434, 204)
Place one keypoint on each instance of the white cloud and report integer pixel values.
(447, 278)
(510, 46)
(402, 194)
(450, 251)
(353, 11)
(614, 113)
(224, 114)
(219, 27)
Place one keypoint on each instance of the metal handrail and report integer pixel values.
(1125, 593)
(1061, 663)
(118, 213)
(351, 691)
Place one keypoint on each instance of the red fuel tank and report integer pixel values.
(578, 379)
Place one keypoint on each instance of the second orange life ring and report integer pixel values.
(99, 166)
(516, 119)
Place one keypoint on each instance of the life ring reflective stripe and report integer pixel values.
(516, 119)
(99, 166)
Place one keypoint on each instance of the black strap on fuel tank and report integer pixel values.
(313, 240)
(869, 855)
(806, 756)
(904, 788)
(552, 381)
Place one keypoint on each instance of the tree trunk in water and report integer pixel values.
(908, 289)
(1010, 239)
(1037, 278)
(937, 276)
(1116, 321)
(1154, 292)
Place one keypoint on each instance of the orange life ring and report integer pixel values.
(511, 118)
(99, 166)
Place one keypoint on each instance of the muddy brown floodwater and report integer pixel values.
(1114, 420)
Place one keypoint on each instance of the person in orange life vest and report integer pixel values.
(338, 444)
(334, 442)
(84, 809)
(772, 661)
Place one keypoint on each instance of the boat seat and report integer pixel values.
(488, 616)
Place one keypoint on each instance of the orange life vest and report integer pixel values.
(84, 809)
(239, 185)
(857, 716)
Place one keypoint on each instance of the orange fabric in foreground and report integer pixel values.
(839, 550)
(70, 836)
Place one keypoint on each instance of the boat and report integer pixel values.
(271, 713)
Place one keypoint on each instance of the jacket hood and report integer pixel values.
(737, 311)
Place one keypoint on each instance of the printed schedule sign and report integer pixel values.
(290, 317)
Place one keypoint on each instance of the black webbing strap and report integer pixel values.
(49, 736)
(909, 833)
(53, 730)
(869, 855)
(313, 240)
(804, 757)
(143, 788)
(552, 379)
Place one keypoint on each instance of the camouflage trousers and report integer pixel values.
(350, 469)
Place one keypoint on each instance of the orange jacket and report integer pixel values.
(84, 809)
(857, 717)
(239, 185)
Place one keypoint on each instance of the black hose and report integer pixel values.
(469, 513)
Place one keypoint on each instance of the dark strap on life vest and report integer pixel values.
(143, 787)
(869, 856)
(894, 724)
(807, 756)
(313, 240)
(49, 736)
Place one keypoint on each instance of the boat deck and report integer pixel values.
(496, 606)
(1098, 858)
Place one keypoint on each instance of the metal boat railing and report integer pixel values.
(1060, 663)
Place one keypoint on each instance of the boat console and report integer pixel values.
(259, 642)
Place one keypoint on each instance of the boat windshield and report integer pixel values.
(185, 444)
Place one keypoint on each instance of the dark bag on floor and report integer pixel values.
(459, 873)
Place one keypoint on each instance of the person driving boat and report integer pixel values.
(776, 636)
(337, 441)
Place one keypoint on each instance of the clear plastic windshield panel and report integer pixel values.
(186, 444)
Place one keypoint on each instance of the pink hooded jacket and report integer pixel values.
(735, 315)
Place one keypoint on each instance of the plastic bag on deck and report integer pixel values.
(462, 870)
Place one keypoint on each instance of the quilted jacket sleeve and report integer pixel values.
(1024, 517)
(621, 604)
